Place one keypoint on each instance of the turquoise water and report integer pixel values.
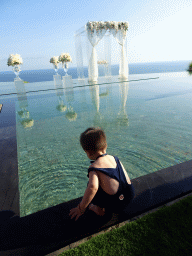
(147, 123)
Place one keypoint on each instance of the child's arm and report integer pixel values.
(88, 196)
(90, 191)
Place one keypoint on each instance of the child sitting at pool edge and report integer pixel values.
(109, 187)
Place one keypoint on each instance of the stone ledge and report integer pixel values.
(76, 244)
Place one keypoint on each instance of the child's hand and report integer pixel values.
(75, 212)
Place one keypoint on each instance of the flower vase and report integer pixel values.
(56, 68)
(16, 70)
(65, 67)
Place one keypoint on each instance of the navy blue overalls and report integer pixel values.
(125, 194)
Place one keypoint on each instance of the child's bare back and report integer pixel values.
(108, 184)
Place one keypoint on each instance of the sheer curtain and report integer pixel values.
(120, 36)
(94, 37)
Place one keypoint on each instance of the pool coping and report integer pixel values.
(79, 242)
(152, 190)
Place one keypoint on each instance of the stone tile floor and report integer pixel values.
(73, 245)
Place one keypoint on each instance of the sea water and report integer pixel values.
(134, 68)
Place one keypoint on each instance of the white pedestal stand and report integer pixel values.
(67, 81)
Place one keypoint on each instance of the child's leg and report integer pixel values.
(98, 210)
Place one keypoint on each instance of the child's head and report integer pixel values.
(93, 140)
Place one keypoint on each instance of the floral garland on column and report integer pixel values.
(107, 25)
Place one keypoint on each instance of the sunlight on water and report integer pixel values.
(147, 123)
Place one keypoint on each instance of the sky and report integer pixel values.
(159, 30)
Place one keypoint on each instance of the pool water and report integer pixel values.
(147, 123)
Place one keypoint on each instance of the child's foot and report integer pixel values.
(98, 210)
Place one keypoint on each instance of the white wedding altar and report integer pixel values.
(94, 44)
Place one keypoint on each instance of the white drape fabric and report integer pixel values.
(94, 37)
(120, 36)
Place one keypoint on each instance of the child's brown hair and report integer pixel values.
(93, 139)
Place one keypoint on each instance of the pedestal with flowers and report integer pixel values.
(15, 61)
(65, 59)
(96, 40)
(57, 78)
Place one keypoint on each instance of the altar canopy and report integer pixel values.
(97, 33)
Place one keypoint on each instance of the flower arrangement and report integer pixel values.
(27, 123)
(71, 115)
(55, 60)
(99, 25)
(23, 113)
(14, 60)
(102, 62)
(61, 108)
(104, 94)
(65, 57)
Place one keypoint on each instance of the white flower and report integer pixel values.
(14, 60)
(123, 26)
(102, 62)
(99, 25)
(107, 24)
(54, 60)
(65, 57)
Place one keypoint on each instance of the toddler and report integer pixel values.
(109, 187)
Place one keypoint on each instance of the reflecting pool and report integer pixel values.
(147, 123)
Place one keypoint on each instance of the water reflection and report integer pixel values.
(71, 115)
(59, 92)
(122, 117)
(104, 102)
(61, 107)
(57, 81)
(58, 85)
(94, 92)
(23, 113)
(104, 94)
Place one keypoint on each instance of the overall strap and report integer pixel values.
(101, 155)
(92, 161)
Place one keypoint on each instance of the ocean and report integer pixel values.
(134, 68)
